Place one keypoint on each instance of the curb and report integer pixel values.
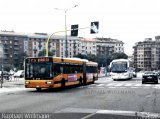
(92, 112)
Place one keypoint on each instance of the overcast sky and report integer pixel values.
(127, 20)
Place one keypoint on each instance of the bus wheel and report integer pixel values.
(38, 89)
(63, 83)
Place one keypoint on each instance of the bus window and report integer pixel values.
(61, 69)
(39, 70)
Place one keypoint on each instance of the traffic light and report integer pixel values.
(74, 30)
(94, 27)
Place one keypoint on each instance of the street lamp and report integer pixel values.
(65, 12)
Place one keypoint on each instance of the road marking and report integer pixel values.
(5, 90)
(112, 87)
(110, 84)
(128, 84)
(147, 85)
(100, 85)
(138, 85)
(121, 87)
(133, 87)
(120, 84)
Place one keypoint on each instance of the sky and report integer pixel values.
(130, 21)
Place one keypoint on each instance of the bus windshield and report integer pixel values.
(119, 67)
(39, 70)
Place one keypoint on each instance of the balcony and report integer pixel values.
(5, 47)
(16, 48)
(6, 53)
(16, 44)
(34, 49)
(39, 45)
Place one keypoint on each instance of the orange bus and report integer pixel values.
(54, 72)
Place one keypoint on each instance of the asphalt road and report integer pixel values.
(105, 94)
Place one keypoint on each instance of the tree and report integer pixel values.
(81, 56)
(43, 53)
(119, 56)
(102, 60)
(91, 57)
(8, 67)
(19, 60)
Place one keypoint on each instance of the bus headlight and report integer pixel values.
(27, 82)
(48, 82)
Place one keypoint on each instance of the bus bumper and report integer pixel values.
(39, 84)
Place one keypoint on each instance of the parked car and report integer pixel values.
(19, 74)
(150, 76)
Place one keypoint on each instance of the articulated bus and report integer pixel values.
(54, 72)
(121, 69)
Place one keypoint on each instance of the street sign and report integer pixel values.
(94, 27)
(74, 30)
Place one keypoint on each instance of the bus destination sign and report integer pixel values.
(32, 60)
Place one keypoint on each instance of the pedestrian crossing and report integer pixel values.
(122, 85)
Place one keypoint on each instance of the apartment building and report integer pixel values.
(32, 44)
(13, 45)
(73, 46)
(108, 46)
(147, 54)
(88, 46)
(37, 44)
(57, 45)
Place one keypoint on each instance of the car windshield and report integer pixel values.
(149, 72)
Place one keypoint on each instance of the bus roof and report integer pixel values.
(115, 60)
(73, 60)
(92, 63)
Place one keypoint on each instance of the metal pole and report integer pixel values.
(66, 43)
(66, 52)
(1, 53)
(2, 74)
(56, 33)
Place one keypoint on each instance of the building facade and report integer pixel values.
(73, 46)
(147, 55)
(13, 45)
(88, 46)
(108, 46)
(37, 44)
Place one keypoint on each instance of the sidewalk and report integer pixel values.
(12, 85)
